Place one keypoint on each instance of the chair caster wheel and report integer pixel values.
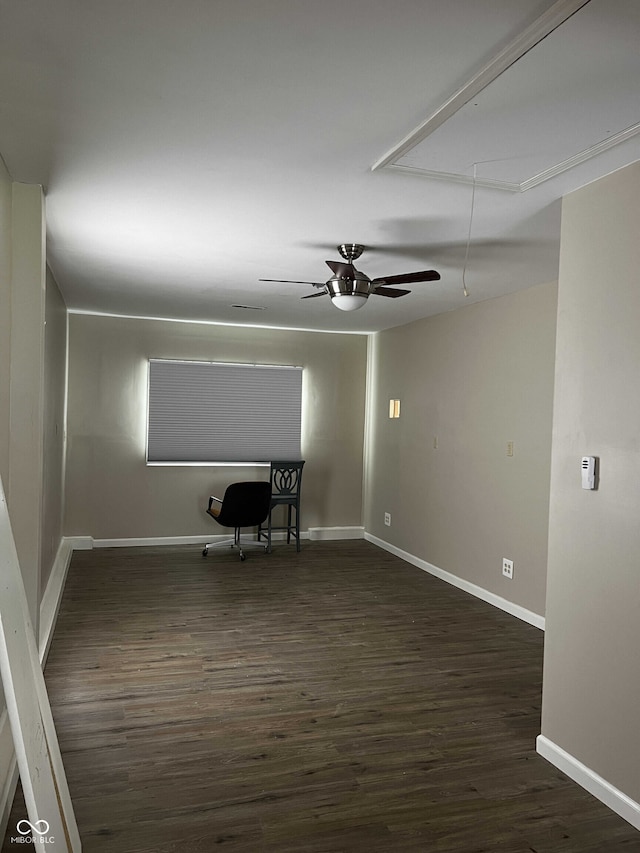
(205, 552)
(243, 557)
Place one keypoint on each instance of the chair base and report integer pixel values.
(292, 528)
(292, 532)
(236, 542)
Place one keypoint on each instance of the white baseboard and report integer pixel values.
(602, 790)
(318, 533)
(52, 597)
(147, 541)
(479, 592)
(177, 540)
(80, 543)
(333, 533)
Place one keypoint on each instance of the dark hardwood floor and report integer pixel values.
(332, 700)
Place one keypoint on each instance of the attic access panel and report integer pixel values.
(570, 97)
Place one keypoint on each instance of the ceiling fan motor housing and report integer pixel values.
(358, 286)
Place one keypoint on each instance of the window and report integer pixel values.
(203, 412)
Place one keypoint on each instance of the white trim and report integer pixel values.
(149, 541)
(580, 157)
(550, 20)
(479, 592)
(80, 543)
(11, 778)
(602, 790)
(456, 177)
(201, 539)
(52, 597)
(534, 180)
(317, 533)
(326, 534)
(49, 607)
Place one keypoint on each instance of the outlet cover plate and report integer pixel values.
(507, 568)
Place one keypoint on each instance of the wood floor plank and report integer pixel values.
(335, 700)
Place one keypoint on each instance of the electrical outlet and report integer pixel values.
(507, 568)
(509, 448)
(387, 519)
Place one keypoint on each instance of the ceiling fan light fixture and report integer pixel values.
(349, 294)
(348, 301)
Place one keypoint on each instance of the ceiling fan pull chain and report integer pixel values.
(466, 254)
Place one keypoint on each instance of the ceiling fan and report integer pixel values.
(349, 289)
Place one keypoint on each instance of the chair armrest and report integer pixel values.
(216, 509)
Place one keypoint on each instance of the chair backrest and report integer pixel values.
(245, 504)
(286, 479)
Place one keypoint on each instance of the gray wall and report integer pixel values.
(113, 494)
(591, 695)
(475, 378)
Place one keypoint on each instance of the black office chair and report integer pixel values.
(286, 482)
(243, 505)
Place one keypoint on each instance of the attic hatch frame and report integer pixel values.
(544, 25)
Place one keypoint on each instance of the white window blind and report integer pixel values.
(215, 412)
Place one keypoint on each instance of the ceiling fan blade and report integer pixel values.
(341, 269)
(313, 295)
(387, 291)
(408, 278)
(288, 281)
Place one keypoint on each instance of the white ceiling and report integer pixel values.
(189, 149)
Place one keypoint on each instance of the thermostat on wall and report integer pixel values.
(588, 472)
